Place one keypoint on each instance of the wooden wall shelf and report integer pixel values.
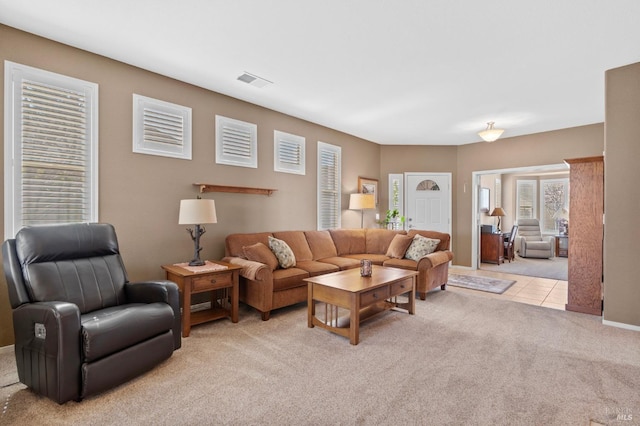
(206, 187)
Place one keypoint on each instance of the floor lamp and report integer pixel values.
(362, 202)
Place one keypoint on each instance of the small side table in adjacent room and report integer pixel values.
(219, 278)
(562, 246)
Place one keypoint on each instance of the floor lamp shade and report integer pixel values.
(362, 202)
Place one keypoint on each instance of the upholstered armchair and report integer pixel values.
(531, 243)
(80, 326)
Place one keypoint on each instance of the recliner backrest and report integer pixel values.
(529, 229)
(78, 263)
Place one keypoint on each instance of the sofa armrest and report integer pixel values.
(47, 346)
(162, 291)
(434, 259)
(251, 270)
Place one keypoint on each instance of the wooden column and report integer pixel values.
(586, 233)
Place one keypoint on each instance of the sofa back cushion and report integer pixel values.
(321, 244)
(234, 243)
(378, 240)
(445, 239)
(297, 242)
(349, 241)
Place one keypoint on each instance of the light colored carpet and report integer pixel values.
(462, 359)
(491, 285)
(555, 268)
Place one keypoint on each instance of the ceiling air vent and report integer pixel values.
(254, 80)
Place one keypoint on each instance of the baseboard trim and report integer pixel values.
(6, 349)
(621, 325)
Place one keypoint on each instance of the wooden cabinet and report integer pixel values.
(586, 233)
(562, 245)
(491, 248)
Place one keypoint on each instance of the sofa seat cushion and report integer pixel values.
(401, 263)
(321, 244)
(341, 262)
(109, 330)
(284, 279)
(376, 259)
(316, 268)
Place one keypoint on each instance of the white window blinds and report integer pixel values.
(51, 174)
(329, 185)
(526, 197)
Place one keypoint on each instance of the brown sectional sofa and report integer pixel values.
(266, 287)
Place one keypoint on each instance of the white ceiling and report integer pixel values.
(408, 72)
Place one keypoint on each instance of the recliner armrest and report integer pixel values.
(47, 342)
(162, 291)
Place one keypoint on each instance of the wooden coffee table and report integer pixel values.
(362, 296)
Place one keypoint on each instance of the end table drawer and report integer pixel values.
(211, 282)
(401, 287)
(373, 296)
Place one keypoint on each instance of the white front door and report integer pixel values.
(428, 201)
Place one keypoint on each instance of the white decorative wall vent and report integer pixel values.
(236, 142)
(161, 128)
(288, 153)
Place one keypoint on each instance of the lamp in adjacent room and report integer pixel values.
(499, 212)
(490, 134)
(362, 202)
(197, 212)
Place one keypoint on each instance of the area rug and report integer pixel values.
(491, 285)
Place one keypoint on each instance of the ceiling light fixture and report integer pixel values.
(254, 80)
(490, 134)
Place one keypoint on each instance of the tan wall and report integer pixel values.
(140, 194)
(522, 151)
(622, 198)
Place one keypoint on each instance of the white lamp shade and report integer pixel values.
(490, 134)
(362, 201)
(197, 212)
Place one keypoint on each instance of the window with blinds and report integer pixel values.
(526, 199)
(161, 128)
(289, 153)
(236, 142)
(329, 185)
(51, 170)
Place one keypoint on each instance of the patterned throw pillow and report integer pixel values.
(421, 246)
(283, 252)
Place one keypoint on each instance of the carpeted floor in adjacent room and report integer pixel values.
(461, 359)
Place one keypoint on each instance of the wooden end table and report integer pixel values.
(362, 296)
(222, 283)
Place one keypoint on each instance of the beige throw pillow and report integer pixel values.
(421, 246)
(399, 246)
(283, 252)
(258, 252)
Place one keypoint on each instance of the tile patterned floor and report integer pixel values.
(532, 290)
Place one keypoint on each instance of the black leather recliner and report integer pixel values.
(80, 326)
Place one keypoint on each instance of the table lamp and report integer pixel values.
(196, 212)
(362, 202)
(498, 212)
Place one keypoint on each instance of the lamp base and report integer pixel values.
(196, 262)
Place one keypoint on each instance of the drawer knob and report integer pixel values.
(375, 296)
(213, 280)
